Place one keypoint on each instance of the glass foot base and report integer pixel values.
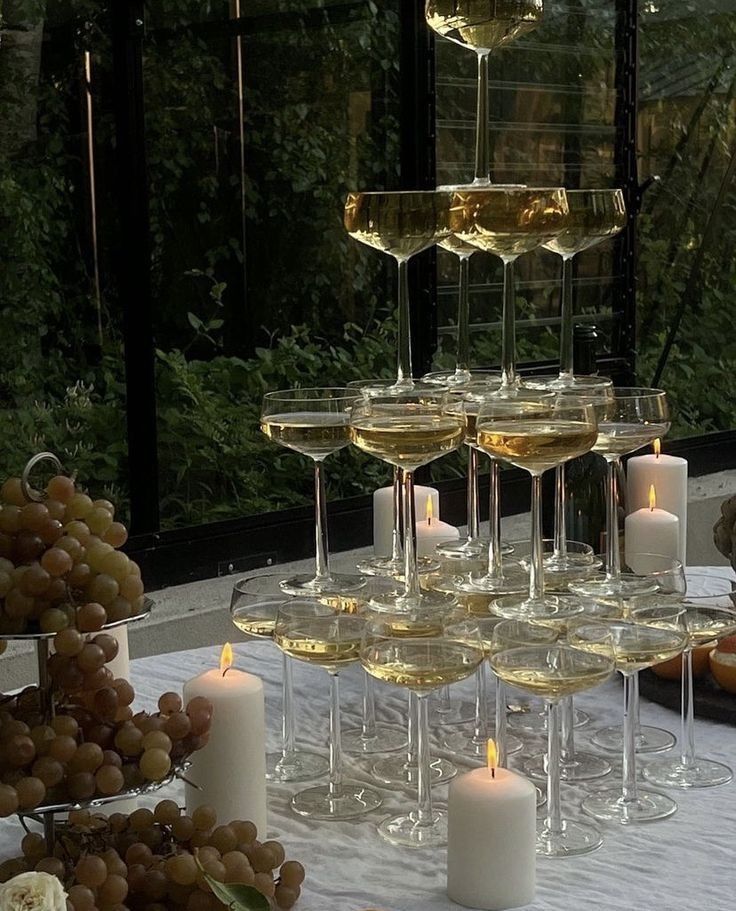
(552, 608)
(648, 739)
(385, 740)
(385, 566)
(297, 766)
(401, 774)
(702, 773)
(352, 800)
(405, 830)
(609, 805)
(584, 767)
(467, 746)
(470, 549)
(396, 601)
(541, 797)
(575, 838)
(536, 722)
(311, 587)
(514, 581)
(626, 586)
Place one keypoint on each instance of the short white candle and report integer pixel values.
(231, 769)
(669, 476)
(491, 839)
(431, 532)
(383, 515)
(650, 531)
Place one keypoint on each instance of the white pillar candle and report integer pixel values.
(650, 531)
(383, 515)
(669, 476)
(120, 664)
(491, 839)
(431, 532)
(231, 769)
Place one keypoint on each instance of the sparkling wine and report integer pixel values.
(454, 245)
(508, 221)
(313, 433)
(631, 657)
(563, 675)
(421, 664)
(704, 626)
(483, 24)
(619, 438)
(405, 440)
(537, 444)
(399, 223)
(327, 653)
(262, 627)
(593, 216)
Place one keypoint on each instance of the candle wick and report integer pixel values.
(228, 668)
(493, 771)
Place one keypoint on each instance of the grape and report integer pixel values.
(113, 890)
(138, 853)
(154, 884)
(245, 831)
(132, 776)
(36, 580)
(153, 837)
(56, 561)
(182, 869)
(78, 506)
(70, 678)
(33, 516)
(50, 771)
(223, 838)
(157, 740)
(20, 750)
(62, 748)
(119, 609)
(109, 780)
(292, 873)
(10, 519)
(81, 785)
(71, 545)
(116, 534)
(31, 792)
(113, 861)
(17, 604)
(155, 764)
(51, 865)
(177, 726)
(53, 620)
(50, 531)
(129, 740)
(106, 702)
(199, 711)
(65, 725)
(12, 492)
(140, 819)
(57, 510)
(79, 576)
(6, 583)
(204, 818)
(42, 736)
(126, 693)
(131, 587)
(102, 588)
(96, 680)
(165, 812)
(91, 617)
(108, 644)
(90, 871)
(262, 859)
(82, 898)
(98, 520)
(265, 884)
(277, 849)
(91, 658)
(237, 868)
(33, 846)
(199, 901)
(182, 828)
(136, 875)
(285, 896)
(168, 703)
(96, 550)
(61, 488)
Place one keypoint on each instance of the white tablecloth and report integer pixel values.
(685, 863)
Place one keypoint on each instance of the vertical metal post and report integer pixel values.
(417, 132)
(134, 263)
(627, 176)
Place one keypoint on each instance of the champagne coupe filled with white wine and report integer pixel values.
(633, 646)
(707, 615)
(537, 436)
(635, 417)
(422, 652)
(554, 672)
(483, 26)
(254, 606)
(314, 422)
(314, 633)
(402, 224)
(407, 430)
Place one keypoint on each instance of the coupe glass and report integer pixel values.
(314, 422)
(707, 615)
(536, 436)
(407, 429)
(554, 672)
(634, 418)
(401, 224)
(419, 652)
(633, 647)
(254, 605)
(483, 26)
(315, 633)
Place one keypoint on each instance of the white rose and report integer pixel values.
(32, 892)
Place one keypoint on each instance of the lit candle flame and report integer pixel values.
(226, 658)
(652, 497)
(492, 753)
(430, 509)
(657, 448)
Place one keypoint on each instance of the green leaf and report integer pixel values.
(237, 896)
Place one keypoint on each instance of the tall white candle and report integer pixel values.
(432, 531)
(383, 515)
(491, 839)
(650, 531)
(669, 476)
(231, 769)
(120, 664)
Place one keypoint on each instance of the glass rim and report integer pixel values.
(514, 188)
(397, 192)
(638, 392)
(302, 394)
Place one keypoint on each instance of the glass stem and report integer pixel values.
(501, 722)
(536, 563)
(411, 576)
(629, 792)
(368, 727)
(322, 549)
(482, 149)
(687, 748)
(335, 781)
(613, 556)
(560, 542)
(411, 750)
(473, 504)
(635, 705)
(509, 378)
(553, 820)
(424, 797)
(567, 321)
(495, 565)
(462, 362)
(404, 375)
(444, 704)
(396, 533)
(287, 710)
(480, 726)
(567, 724)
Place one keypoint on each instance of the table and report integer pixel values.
(685, 863)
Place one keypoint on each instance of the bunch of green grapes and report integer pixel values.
(156, 860)
(60, 565)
